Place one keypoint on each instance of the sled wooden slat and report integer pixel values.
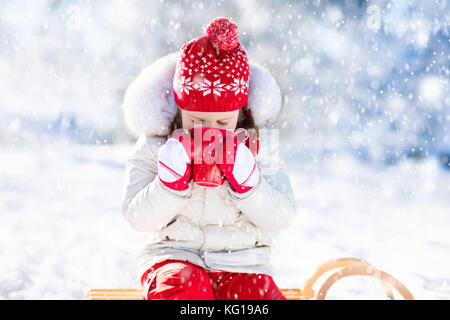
(292, 294)
(136, 294)
(115, 294)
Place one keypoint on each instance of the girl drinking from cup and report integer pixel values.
(208, 224)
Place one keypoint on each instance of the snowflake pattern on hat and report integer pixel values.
(202, 67)
(185, 84)
(239, 86)
(207, 87)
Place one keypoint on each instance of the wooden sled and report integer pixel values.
(342, 267)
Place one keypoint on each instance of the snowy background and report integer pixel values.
(365, 132)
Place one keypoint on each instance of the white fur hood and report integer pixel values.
(149, 105)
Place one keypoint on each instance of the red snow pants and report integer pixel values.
(181, 280)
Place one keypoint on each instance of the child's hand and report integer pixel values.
(238, 165)
(174, 165)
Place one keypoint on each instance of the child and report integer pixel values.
(204, 242)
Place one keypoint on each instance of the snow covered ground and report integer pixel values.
(62, 232)
(360, 79)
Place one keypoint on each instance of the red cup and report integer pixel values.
(201, 144)
(205, 170)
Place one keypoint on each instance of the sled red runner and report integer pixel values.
(342, 267)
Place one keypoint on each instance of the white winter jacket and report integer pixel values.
(215, 228)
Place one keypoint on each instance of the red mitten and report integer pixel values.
(174, 165)
(238, 164)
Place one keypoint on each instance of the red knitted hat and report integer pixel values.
(212, 71)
